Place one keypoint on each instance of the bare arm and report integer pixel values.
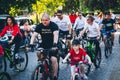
(33, 37)
(68, 55)
(82, 32)
(55, 36)
(69, 26)
(88, 58)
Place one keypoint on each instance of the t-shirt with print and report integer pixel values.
(63, 24)
(46, 33)
(75, 58)
(92, 29)
(108, 24)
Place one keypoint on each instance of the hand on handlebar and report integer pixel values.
(64, 61)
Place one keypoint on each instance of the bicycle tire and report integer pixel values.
(4, 76)
(39, 73)
(18, 66)
(3, 64)
(119, 39)
(98, 58)
(106, 49)
(76, 77)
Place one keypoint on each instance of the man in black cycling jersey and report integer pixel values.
(49, 34)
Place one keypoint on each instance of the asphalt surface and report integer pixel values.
(109, 68)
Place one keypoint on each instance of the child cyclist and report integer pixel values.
(76, 55)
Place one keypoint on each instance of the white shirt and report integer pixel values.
(92, 29)
(79, 23)
(63, 24)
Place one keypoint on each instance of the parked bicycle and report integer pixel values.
(22, 59)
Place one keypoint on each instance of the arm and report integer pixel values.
(69, 26)
(75, 25)
(55, 33)
(98, 30)
(88, 58)
(3, 31)
(33, 37)
(68, 55)
(82, 32)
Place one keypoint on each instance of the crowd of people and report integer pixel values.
(65, 26)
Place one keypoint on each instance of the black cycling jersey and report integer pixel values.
(46, 33)
(108, 24)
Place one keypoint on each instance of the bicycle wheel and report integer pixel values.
(110, 46)
(76, 77)
(106, 49)
(119, 39)
(98, 58)
(22, 61)
(3, 65)
(40, 73)
(4, 76)
(87, 68)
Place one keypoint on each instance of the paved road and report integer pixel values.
(109, 70)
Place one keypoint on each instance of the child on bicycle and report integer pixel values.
(76, 55)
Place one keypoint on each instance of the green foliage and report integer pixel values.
(14, 7)
(49, 6)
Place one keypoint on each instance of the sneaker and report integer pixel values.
(85, 77)
(15, 69)
(55, 78)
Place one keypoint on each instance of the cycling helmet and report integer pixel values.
(75, 42)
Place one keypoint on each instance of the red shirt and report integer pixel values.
(72, 18)
(75, 58)
(14, 30)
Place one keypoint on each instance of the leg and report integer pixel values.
(72, 72)
(54, 66)
(112, 38)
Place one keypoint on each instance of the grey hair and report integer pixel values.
(45, 15)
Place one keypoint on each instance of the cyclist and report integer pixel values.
(93, 31)
(13, 32)
(64, 25)
(27, 28)
(79, 24)
(76, 55)
(49, 34)
(73, 17)
(109, 25)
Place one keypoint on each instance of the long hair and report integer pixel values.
(13, 20)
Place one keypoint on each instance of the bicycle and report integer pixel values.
(77, 75)
(108, 45)
(20, 63)
(43, 70)
(93, 51)
(4, 76)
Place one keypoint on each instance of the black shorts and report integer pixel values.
(63, 34)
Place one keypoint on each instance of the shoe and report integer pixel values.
(85, 77)
(55, 78)
(112, 43)
(16, 69)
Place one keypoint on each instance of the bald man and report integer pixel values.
(49, 34)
